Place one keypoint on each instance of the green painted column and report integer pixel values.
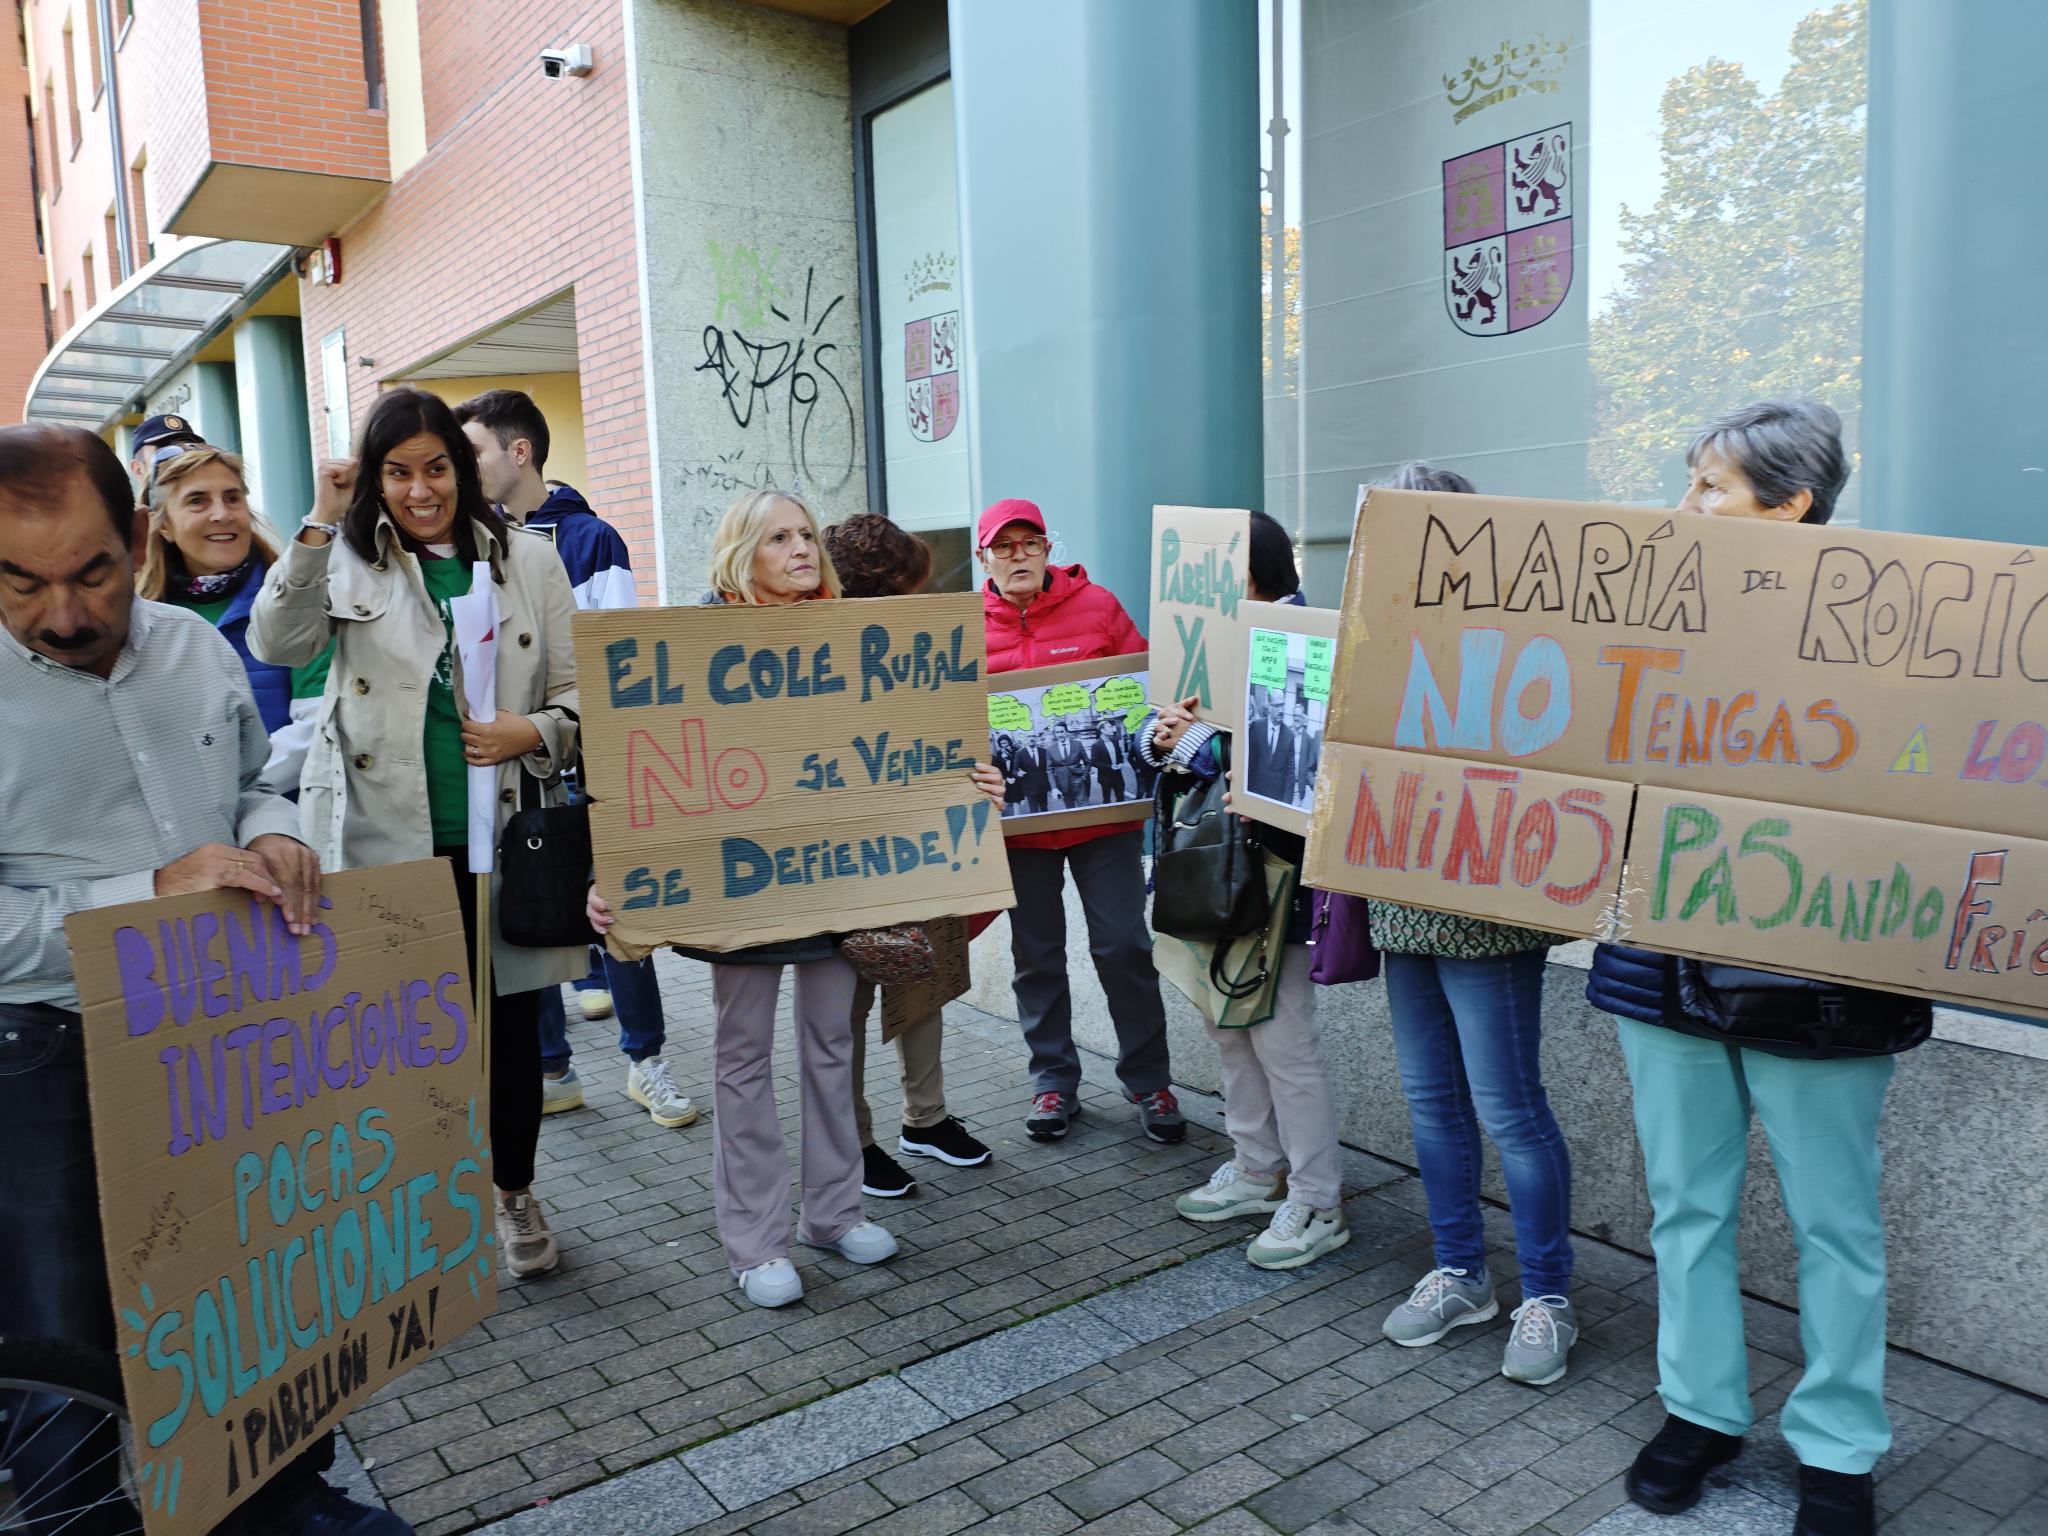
(270, 376)
(1109, 237)
(1955, 367)
(215, 406)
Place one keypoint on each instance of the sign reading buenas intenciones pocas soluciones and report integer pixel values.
(294, 1169)
(769, 773)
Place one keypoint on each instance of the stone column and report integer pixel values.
(1955, 366)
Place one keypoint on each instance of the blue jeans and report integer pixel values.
(1466, 1033)
(53, 1284)
(636, 1002)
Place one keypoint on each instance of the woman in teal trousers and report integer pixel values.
(1694, 1091)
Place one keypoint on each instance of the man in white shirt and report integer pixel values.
(131, 767)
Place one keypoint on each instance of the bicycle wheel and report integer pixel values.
(66, 1467)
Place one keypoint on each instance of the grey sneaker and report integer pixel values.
(1050, 1115)
(1442, 1300)
(1539, 1344)
(1159, 1111)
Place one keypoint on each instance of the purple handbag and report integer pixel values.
(1340, 940)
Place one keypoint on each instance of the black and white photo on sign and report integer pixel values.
(1283, 729)
(1067, 747)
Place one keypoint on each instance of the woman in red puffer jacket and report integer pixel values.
(1041, 615)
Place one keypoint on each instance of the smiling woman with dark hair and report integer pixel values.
(387, 774)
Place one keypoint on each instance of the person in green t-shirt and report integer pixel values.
(391, 542)
(447, 772)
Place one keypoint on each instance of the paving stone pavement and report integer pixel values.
(1055, 1351)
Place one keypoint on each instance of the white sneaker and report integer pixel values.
(1232, 1192)
(560, 1093)
(774, 1284)
(648, 1083)
(868, 1243)
(595, 1004)
(1299, 1235)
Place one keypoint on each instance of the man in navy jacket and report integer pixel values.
(510, 436)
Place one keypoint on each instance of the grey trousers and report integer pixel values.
(917, 1053)
(1109, 873)
(1276, 1093)
(750, 1164)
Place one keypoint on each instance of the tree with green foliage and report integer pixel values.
(1289, 381)
(1745, 280)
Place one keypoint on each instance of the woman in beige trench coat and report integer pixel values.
(392, 537)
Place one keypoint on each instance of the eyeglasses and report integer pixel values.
(1015, 549)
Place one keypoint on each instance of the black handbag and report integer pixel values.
(1792, 1016)
(1208, 867)
(544, 865)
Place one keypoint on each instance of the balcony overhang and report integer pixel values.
(844, 12)
(272, 204)
(148, 328)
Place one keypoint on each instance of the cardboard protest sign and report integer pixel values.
(1061, 735)
(1201, 562)
(293, 1166)
(1826, 692)
(1290, 652)
(1932, 910)
(1543, 850)
(904, 1006)
(765, 773)
(1884, 674)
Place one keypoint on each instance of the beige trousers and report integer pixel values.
(1276, 1091)
(917, 1051)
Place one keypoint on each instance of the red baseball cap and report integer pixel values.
(1004, 513)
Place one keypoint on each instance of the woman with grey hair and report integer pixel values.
(1466, 998)
(1777, 459)
(1697, 1070)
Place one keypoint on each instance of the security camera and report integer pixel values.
(573, 60)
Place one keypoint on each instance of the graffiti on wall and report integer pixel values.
(773, 351)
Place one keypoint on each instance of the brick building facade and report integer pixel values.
(525, 192)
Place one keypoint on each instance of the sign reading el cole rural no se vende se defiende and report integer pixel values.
(765, 773)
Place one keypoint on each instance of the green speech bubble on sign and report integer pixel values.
(1322, 655)
(1006, 712)
(1119, 693)
(1268, 667)
(1063, 699)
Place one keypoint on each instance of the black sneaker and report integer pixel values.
(882, 1176)
(1836, 1503)
(1050, 1115)
(948, 1141)
(321, 1511)
(1668, 1471)
(1160, 1112)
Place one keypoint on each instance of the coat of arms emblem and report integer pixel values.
(1508, 233)
(931, 373)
